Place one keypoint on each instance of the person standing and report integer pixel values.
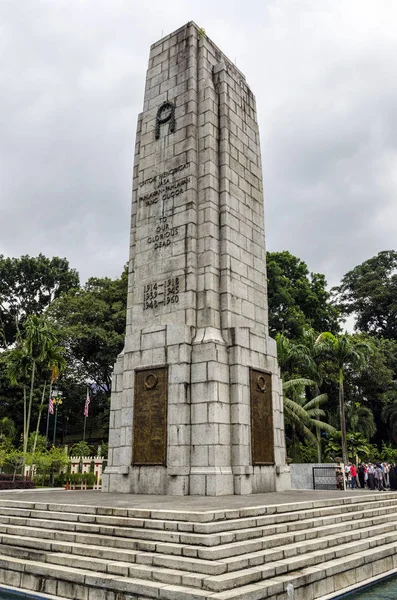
(353, 477)
(386, 478)
(347, 474)
(361, 475)
(371, 476)
(393, 476)
(378, 477)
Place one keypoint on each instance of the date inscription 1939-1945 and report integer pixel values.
(161, 293)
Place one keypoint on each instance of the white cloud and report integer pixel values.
(72, 84)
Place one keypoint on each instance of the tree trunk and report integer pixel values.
(318, 435)
(342, 418)
(39, 418)
(24, 415)
(25, 444)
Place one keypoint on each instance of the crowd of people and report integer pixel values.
(373, 476)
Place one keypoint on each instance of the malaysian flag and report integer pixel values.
(87, 403)
(51, 407)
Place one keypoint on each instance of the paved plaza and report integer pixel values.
(178, 503)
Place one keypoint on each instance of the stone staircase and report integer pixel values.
(96, 552)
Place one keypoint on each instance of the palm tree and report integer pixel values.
(389, 414)
(360, 419)
(7, 427)
(303, 414)
(38, 339)
(7, 431)
(294, 357)
(54, 363)
(346, 352)
(24, 362)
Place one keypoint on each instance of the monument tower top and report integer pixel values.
(196, 405)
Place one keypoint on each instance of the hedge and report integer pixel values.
(16, 485)
(11, 477)
(78, 478)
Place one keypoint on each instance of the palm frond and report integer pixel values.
(324, 426)
(317, 401)
(299, 382)
(297, 409)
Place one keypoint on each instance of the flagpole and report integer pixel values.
(86, 405)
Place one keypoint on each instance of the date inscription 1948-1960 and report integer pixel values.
(161, 293)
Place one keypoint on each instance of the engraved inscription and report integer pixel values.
(262, 436)
(150, 417)
(164, 234)
(161, 293)
(165, 187)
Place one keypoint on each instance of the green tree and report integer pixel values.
(15, 460)
(28, 285)
(36, 353)
(7, 428)
(302, 415)
(53, 364)
(80, 449)
(389, 416)
(36, 444)
(357, 445)
(346, 353)
(359, 419)
(297, 298)
(369, 292)
(91, 325)
(7, 435)
(294, 358)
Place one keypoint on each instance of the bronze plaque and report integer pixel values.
(262, 437)
(150, 417)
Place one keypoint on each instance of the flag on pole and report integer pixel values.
(87, 403)
(51, 407)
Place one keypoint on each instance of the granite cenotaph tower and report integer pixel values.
(196, 403)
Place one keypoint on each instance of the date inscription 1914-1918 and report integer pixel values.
(162, 293)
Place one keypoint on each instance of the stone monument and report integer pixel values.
(196, 403)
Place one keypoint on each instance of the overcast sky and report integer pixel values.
(324, 73)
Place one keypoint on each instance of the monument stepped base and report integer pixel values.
(71, 549)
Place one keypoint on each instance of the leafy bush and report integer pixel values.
(16, 485)
(357, 445)
(104, 450)
(308, 454)
(10, 477)
(41, 444)
(388, 453)
(89, 479)
(80, 449)
(48, 466)
(14, 460)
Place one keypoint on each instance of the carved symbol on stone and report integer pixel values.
(151, 381)
(261, 383)
(165, 114)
